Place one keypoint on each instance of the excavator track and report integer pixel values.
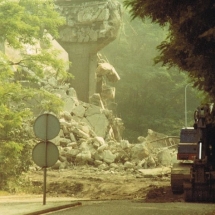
(181, 183)
(180, 172)
(198, 193)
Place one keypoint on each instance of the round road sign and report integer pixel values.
(41, 158)
(46, 126)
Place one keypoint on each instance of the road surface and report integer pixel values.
(129, 207)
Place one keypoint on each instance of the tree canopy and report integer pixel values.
(190, 44)
(148, 96)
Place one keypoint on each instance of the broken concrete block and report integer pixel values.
(165, 158)
(92, 109)
(108, 156)
(108, 70)
(97, 162)
(72, 144)
(103, 166)
(60, 92)
(104, 69)
(71, 92)
(128, 165)
(52, 81)
(96, 144)
(64, 142)
(114, 166)
(80, 133)
(63, 122)
(95, 99)
(66, 130)
(72, 137)
(71, 154)
(85, 129)
(84, 146)
(79, 111)
(83, 157)
(67, 116)
(118, 128)
(99, 123)
(142, 164)
(70, 104)
(151, 162)
(125, 144)
(100, 140)
(102, 148)
(139, 151)
(141, 139)
(108, 92)
(155, 172)
(98, 156)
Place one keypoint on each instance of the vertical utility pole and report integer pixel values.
(185, 104)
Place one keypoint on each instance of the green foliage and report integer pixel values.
(23, 21)
(191, 42)
(10, 163)
(148, 96)
(24, 24)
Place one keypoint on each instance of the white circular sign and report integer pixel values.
(46, 126)
(45, 154)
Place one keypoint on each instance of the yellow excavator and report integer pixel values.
(194, 173)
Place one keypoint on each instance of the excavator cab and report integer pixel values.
(188, 145)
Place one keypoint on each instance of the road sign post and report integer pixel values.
(45, 154)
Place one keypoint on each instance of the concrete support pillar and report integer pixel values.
(90, 26)
(83, 67)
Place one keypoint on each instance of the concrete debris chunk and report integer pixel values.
(99, 123)
(106, 69)
(99, 140)
(79, 111)
(83, 157)
(108, 156)
(95, 99)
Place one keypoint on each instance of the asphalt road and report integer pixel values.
(138, 208)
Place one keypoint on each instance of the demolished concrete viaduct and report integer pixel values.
(90, 26)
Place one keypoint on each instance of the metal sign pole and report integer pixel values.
(44, 186)
(45, 167)
(45, 154)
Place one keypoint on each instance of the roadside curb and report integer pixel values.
(55, 208)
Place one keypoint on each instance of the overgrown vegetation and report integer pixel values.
(24, 25)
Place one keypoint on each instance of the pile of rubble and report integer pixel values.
(79, 144)
(90, 134)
